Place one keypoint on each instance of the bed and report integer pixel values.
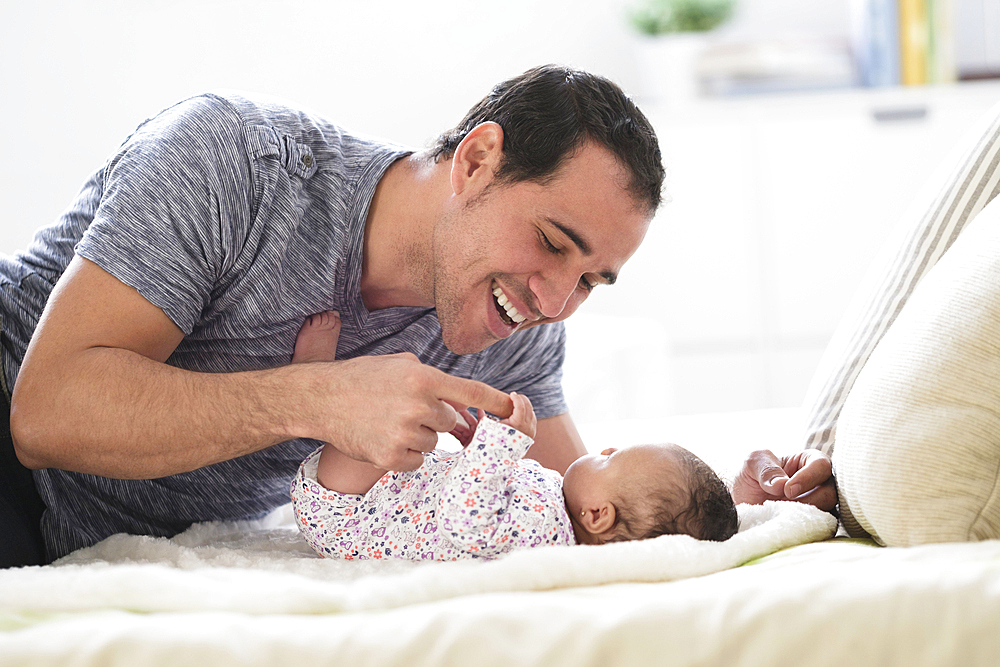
(906, 402)
(784, 591)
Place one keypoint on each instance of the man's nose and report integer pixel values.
(552, 292)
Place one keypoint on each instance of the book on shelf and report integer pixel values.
(941, 63)
(909, 42)
(914, 42)
(875, 27)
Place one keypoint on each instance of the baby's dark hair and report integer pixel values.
(704, 509)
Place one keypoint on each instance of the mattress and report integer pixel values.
(784, 591)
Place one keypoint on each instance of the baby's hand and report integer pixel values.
(523, 417)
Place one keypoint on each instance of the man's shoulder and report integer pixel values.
(287, 117)
(256, 108)
(234, 113)
(286, 123)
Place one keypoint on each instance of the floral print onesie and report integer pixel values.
(478, 503)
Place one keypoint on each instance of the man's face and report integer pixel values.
(508, 257)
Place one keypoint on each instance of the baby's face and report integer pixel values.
(619, 473)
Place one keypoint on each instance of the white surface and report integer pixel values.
(779, 204)
(225, 597)
(77, 77)
(268, 568)
(822, 604)
(214, 573)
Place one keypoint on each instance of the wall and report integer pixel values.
(778, 207)
(76, 77)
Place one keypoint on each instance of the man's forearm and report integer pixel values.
(94, 394)
(115, 413)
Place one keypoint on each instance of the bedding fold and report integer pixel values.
(266, 568)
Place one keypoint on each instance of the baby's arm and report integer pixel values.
(473, 499)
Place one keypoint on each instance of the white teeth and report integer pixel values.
(508, 307)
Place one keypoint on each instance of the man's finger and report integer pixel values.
(768, 472)
(443, 418)
(470, 421)
(475, 395)
(464, 413)
(814, 468)
(823, 497)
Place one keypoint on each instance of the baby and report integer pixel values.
(486, 499)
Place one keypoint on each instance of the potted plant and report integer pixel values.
(658, 17)
(672, 37)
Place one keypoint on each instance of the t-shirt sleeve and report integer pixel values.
(531, 363)
(177, 197)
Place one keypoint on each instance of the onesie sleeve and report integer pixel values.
(473, 499)
(329, 521)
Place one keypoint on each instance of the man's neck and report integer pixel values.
(397, 252)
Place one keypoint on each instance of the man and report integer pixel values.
(156, 389)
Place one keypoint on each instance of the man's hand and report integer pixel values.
(522, 418)
(388, 410)
(805, 477)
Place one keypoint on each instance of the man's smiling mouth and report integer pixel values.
(508, 313)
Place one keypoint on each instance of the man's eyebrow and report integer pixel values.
(584, 247)
(578, 240)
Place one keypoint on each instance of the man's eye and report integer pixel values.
(548, 244)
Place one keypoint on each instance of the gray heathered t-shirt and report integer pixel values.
(238, 217)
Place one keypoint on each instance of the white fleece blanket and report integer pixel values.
(266, 568)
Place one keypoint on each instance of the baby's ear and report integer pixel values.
(599, 521)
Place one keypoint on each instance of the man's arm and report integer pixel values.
(94, 395)
(557, 443)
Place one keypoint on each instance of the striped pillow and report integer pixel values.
(918, 447)
(926, 231)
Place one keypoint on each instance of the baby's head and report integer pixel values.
(639, 492)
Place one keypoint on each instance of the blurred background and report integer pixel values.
(795, 135)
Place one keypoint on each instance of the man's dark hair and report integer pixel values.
(548, 112)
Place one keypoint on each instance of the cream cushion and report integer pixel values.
(917, 450)
(965, 182)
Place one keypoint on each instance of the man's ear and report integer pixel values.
(476, 157)
(599, 519)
